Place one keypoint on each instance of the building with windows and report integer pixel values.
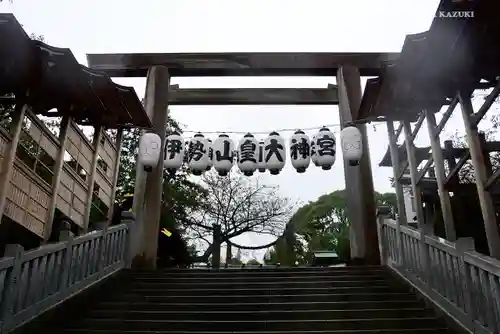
(60, 134)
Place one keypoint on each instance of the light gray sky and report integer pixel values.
(119, 26)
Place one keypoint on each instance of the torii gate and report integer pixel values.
(159, 68)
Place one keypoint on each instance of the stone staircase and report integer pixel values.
(359, 300)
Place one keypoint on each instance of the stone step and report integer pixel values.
(268, 298)
(265, 290)
(261, 315)
(258, 272)
(285, 283)
(256, 278)
(349, 300)
(431, 330)
(259, 306)
(258, 325)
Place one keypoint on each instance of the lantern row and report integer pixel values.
(201, 154)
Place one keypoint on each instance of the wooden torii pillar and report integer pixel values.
(147, 204)
(361, 205)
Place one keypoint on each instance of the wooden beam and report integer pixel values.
(488, 102)
(412, 163)
(398, 131)
(418, 125)
(480, 173)
(98, 133)
(393, 147)
(239, 64)
(411, 137)
(403, 166)
(492, 179)
(254, 96)
(9, 155)
(417, 200)
(116, 172)
(446, 116)
(444, 196)
(425, 169)
(456, 168)
(56, 181)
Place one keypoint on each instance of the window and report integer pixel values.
(73, 164)
(102, 164)
(33, 156)
(99, 210)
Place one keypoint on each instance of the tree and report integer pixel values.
(239, 204)
(387, 199)
(324, 223)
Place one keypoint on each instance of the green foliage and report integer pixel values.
(324, 225)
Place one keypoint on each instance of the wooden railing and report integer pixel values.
(34, 281)
(462, 282)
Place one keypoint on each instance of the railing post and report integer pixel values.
(102, 251)
(11, 288)
(383, 212)
(463, 245)
(131, 244)
(68, 257)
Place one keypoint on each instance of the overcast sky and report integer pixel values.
(119, 26)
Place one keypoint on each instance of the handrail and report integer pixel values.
(34, 281)
(463, 282)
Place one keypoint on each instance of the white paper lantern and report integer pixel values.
(261, 162)
(352, 145)
(274, 153)
(247, 154)
(173, 154)
(300, 151)
(149, 150)
(198, 154)
(223, 148)
(210, 155)
(314, 152)
(325, 147)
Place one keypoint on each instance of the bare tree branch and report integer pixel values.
(241, 204)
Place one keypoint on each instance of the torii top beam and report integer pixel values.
(239, 64)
